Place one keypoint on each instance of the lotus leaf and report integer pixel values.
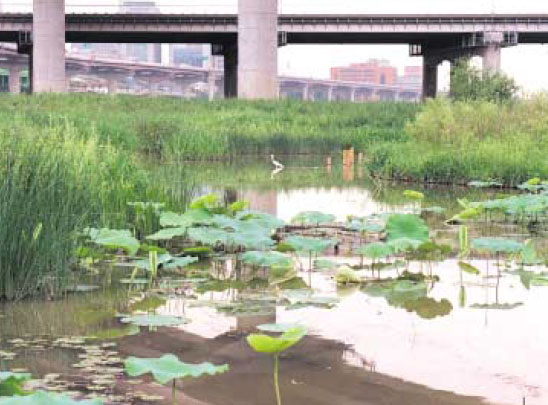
(153, 320)
(468, 268)
(169, 367)
(413, 195)
(404, 244)
(274, 345)
(277, 327)
(406, 226)
(206, 202)
(113, 239)
(304, 244)
(168, 233)
(46, 398)
(313, 218)
(428, 308)
(251, 240)
(345, 275)
(497, 245)
(208, 236)
(12, 383)
(263, 219)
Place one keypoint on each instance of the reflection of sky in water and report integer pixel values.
(497, 354)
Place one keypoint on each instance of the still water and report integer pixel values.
(360, 349)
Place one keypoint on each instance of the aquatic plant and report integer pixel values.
(46, 398)
(310, 245)
(313, 218)
(407, 226)
(274, 346)
(12, 383)
(113, 239)
(169, 368)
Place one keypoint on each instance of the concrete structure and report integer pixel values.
(48, 50)
(434, 37)
(257, 49)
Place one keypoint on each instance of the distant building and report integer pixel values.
(372, 72)
(412, 77)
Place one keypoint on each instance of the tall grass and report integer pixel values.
(176, 129)
(53, 182)
(456, 142)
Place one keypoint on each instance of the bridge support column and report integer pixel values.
(491, 59)
(306, 91)
(258, 49)
(330, 93)
(15, 79)
(353, 95)
(231, 71)
(429, 77)
(48, 30)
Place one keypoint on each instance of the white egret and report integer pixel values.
(276, 164)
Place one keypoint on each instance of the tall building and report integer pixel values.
(412, 77)
(373, 71)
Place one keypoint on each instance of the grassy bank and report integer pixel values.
(195, 129)
(463, 141)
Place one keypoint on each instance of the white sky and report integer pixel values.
(526, 63)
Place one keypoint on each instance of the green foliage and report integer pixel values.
(345, 275)
(274, 345)
(305, 244)
(375, 250)
(313, 218)
(113, 239)
(497, 245)
(12, 383)
(266, 259)
(413, 195)
(469, 83)
(406, 226)
(468, 268)
(169, 367)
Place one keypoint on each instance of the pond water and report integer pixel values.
(468, 339)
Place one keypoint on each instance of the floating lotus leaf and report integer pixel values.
(413, 195)
(46, 398)
(483, 184)
(274, 345)
(153, 320)
(166, 261)
(313, 218)
(277, 327)
(251, 240)
(345, 275)
(266, 259)
(503, 306)
(375, 250)
(468, 268)
(428, 308)
(497, 245)
(406, 226)
(529, 254)
(169, 367)
(304, 244)
(168, 233)
(178, 262)
(396, 292)
(113, 239)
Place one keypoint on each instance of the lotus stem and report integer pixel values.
(173, 401)
(276, 383)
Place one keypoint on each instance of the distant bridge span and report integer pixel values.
(249, 40)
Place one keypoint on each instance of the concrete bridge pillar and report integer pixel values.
(491, 59)
(306, 91)
(48, 32)
(429, 77)
(231, 71)
(258, 49)
(353, 94)
(330, 90)
(14, 80)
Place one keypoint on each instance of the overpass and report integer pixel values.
(249, 40)
(178, 80)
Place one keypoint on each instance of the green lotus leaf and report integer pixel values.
(345, 275)
(304, 244)
(266, 259)
(313, 218)
(177, 262)
(153, 320)
(113, 239)
(251, 240)
(167, 233)
(46, 398)
(406, 226)
(263, 219)
(468, 268)
(12, 383)
(208, 236)
(274, 345)
(169, 367)
(497, 245)
(206, 202)
(428, 308)
(361, 225)
(375, 250)
(404, 245)
(413, 195)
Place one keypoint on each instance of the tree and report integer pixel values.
(469, 83)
